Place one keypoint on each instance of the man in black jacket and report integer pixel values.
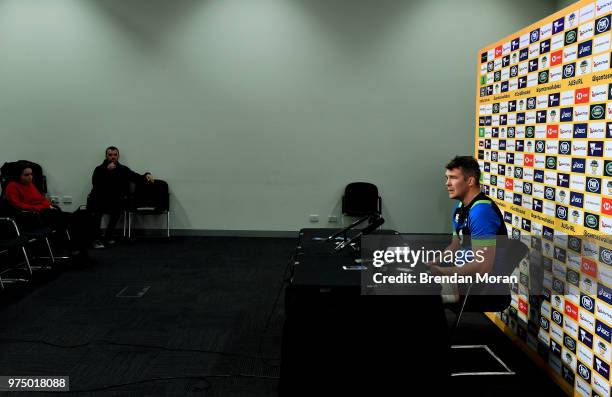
(111, 184)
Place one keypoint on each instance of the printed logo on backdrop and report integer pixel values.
(603, 331)
(585, 337)
(569, 70)
(602, 24)
(605, 256)
(604, 293)
(571, 36)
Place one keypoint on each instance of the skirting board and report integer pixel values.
(214, 233)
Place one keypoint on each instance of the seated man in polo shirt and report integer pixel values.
(477, 221)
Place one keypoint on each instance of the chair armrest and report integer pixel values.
(13, 223)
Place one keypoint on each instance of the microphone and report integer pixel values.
(346, 229)
(365, 231)
(372, 226)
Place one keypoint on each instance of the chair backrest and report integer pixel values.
(152, 195)
(361, 199)
(10, 172)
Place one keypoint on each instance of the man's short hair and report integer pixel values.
(469, 166)
(111, 148)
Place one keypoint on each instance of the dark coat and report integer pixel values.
(111, 187)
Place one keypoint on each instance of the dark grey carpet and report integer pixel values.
(210, 293)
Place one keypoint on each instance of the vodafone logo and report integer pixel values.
(498, 51)
(522, 306)
(589, 267)
(556, 58)
(582, 95)
(509, 184)
(528, 160)
(571, 310)
(552, 131)
(606, 206)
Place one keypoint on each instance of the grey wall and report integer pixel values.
(561, 4)
(256, 112)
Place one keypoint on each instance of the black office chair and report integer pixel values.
(148, 199)
(490, 298)
(361, 199)
(10, 170)
(11, 239)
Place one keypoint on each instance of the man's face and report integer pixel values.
(112, 155)
(456, 183)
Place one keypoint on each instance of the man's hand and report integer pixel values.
(111, 166)
(149, 178)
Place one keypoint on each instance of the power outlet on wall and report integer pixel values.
(67, 199)
(314, 218)
(332, 219)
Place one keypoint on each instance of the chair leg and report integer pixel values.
(458, 319)
(50, 250)
(129, 225)
(168, 224)
(27, 260)
(124, 222)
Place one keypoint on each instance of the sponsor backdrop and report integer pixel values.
(544, 144)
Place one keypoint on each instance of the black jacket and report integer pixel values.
(110, 187)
